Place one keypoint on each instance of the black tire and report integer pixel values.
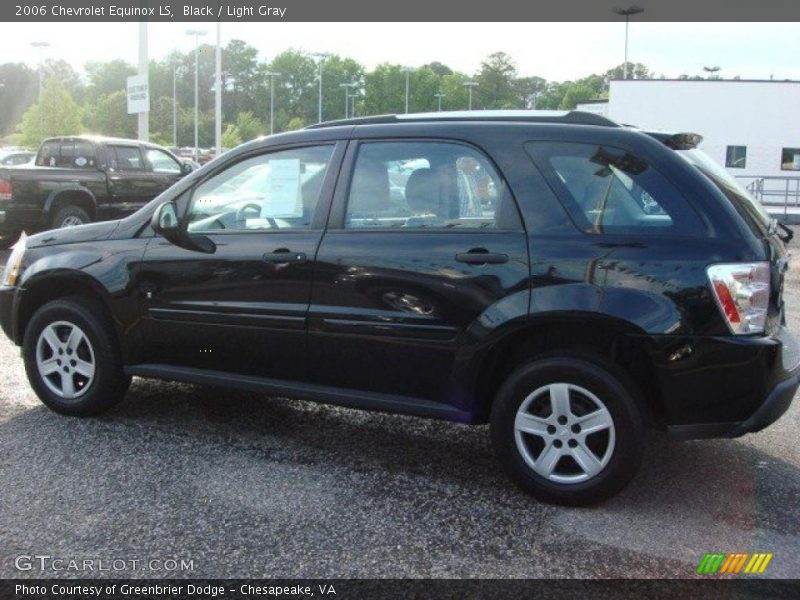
(606, 384)
(109, 383)
(68, 216)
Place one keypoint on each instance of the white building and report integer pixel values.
(751, 127)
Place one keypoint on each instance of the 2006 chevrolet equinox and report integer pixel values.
(566, 279)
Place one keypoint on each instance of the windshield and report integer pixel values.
(750, 208)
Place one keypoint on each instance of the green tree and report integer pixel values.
(108, 115)
(575, 94)
(294, 124)
(248, 126)
(496, 88)
(231, 137)
(107, 77)
(56, 113)
(18, 92)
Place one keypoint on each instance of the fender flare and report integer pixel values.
(53, 196)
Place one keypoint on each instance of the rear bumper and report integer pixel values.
(768, 381)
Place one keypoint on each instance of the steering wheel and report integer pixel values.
(241, 216)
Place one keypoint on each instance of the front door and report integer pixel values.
(242, 309)
(425, 255)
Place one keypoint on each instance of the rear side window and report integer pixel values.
(127, 158)
(610, 190)
(427, 185)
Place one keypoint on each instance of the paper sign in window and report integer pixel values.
(282, 194)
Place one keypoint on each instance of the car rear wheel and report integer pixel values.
(72, 359)
(70, 216)
(567, 430)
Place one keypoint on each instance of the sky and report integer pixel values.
(555, 51)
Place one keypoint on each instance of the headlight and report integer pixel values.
(14, 264)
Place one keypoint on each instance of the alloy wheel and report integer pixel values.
(65, 359)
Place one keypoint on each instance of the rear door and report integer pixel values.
(425, 252)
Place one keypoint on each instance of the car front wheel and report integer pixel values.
(567, 430)
(72, 359)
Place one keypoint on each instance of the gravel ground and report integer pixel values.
(248, 486)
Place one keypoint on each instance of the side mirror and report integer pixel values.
(165, 222)
(186, 167)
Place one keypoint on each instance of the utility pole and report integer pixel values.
(174, 106)
(347, 87)
(408, 72)
(440, 96)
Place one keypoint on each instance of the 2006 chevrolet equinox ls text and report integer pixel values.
(571, 281)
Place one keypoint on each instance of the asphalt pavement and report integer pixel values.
(240, 485)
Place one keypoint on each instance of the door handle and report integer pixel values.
(284, 255)
(481, 256)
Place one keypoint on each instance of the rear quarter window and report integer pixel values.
(610, 190)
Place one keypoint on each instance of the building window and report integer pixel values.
(736, 157)
(790, 159)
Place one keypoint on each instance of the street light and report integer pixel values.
(347, 87)
(407, 71)
(469, 85)
(197, 33)
(440, 96)
(627, 13)
(271, 75)
(321, 56)
(174, 105)
(41, 46)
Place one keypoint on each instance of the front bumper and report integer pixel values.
(755, 388)
(7, 298)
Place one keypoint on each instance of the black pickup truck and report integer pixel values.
(81, 179)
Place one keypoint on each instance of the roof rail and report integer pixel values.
(570, 117)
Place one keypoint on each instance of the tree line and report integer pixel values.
(96, 100)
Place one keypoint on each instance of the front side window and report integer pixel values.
(736, 157)
(427, 185)
(127, 158)
(161, 162)
(611, 190)
(790, 159)
(274, 191)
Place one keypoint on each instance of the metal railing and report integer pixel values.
(775, 191)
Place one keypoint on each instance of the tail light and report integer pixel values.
(742, 294)
(5, 189)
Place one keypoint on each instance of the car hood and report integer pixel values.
(70, 235)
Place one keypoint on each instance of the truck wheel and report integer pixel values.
(72, 358)
(567, 430)
(70, 216)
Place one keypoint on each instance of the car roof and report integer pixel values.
(101, 139)
(565, 117)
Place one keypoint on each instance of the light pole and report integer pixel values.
(347, 87)
(712, 71)
(321, 56)
(408, 72)
(174, 105)
(197, 33)
(271, 75)
(627, 13)
(469, 85)
(440, 96)
(41, 46)
(218, 93)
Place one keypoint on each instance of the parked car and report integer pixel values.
(15, 158)
(618, 282)
(81, 179)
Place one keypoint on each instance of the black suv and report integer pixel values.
(566, 279)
